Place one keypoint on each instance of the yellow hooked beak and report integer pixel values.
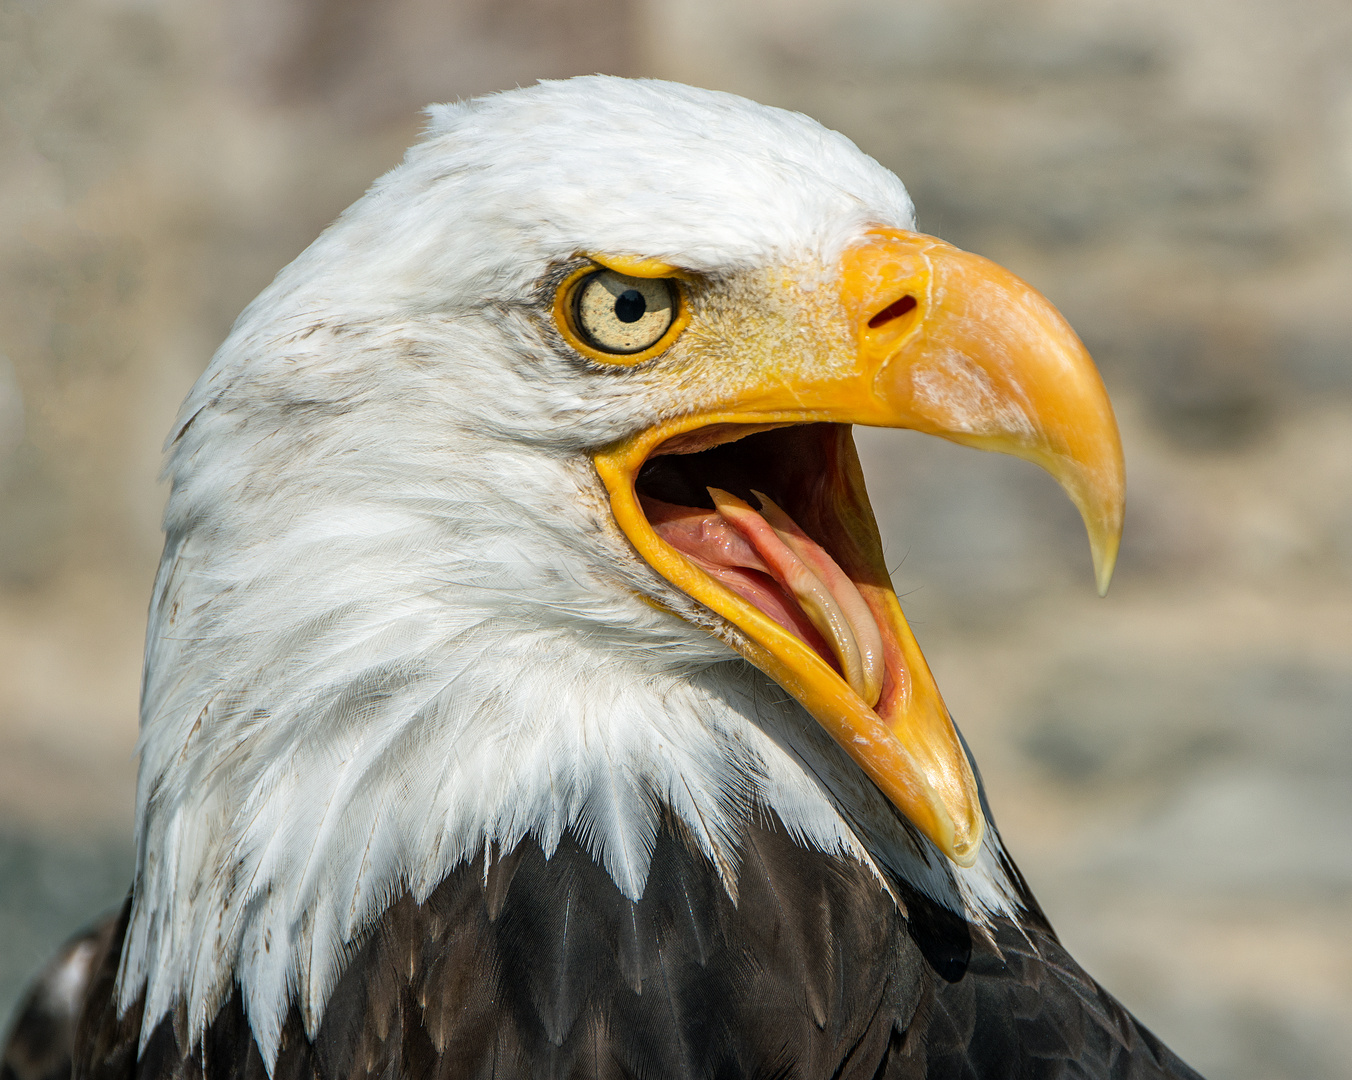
(916, 334)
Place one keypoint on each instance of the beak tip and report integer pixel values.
(1103, 575)
(966, 859)
(964, 849)
(1104, 543)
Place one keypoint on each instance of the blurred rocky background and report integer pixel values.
(1172, 766)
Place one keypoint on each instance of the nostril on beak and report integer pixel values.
(894, 310)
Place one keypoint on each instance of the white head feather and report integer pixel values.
(395, 625)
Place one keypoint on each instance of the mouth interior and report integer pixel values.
(771, 517)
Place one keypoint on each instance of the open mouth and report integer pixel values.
(778, 519)
(764, 520)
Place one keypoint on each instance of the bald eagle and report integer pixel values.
(525, 694)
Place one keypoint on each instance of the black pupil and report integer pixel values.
(630, 306)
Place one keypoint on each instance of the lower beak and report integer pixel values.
(937, 340)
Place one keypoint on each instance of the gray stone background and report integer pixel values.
(1172, 766)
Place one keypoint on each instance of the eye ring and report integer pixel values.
(609, 313)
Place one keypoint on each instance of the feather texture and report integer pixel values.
(527, 965)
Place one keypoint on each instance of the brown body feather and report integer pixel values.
(541, 968)
(40, 1044)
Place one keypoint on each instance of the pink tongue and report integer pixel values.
(775, 566)
(724, 554)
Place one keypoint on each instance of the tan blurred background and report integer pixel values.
(1171, 766)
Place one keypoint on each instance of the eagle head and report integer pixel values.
(525, 499)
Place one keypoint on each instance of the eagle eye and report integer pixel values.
(619, 314)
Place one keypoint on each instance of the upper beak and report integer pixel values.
(982, 358)
(938, 340)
